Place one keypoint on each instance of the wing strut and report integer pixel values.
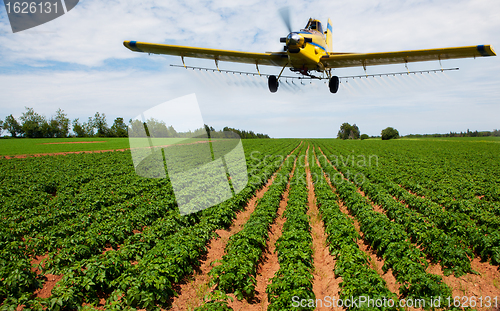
(282, 70)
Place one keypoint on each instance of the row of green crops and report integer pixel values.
(352, 264)
(294, 249)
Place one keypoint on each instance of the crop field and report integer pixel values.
(44, 146)
(321, 224)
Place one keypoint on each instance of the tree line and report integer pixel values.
(33, 125)
(468, 133)
(244, 134)
(158, 128)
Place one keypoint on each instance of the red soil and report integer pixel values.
(51, 279)
(485, 284)
(74, 142)
(23, 156)
(325, 282)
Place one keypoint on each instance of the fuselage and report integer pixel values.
(306, 47)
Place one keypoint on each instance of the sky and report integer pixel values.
(78, 63)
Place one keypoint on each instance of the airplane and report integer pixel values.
(309, 50)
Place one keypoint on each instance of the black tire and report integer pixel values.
(334, 84)
(273, 84)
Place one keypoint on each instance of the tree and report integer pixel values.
(49, 129)
(389, 133)
(78, 129)
(348, 131)
(119, 128)
(136, 128)
(100, 124)
(61, 123)
(156, 128)
(354, 132)
(12, 126)
(32, 123)
(172, 132)
(89, 127)
(364, 136)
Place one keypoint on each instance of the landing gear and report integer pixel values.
(334, 84)
(273, 84)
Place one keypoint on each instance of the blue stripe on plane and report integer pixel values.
(482, 50)
(133, 46)
(315, 44)
(329, 27)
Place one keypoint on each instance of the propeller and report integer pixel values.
(285, 16)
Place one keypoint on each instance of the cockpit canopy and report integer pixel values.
(314, 25)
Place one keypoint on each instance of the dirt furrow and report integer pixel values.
(325, 283)
(474, 286)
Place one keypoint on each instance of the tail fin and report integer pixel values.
(329, 33)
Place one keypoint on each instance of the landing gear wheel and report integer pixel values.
(334, 84)
(273, 84)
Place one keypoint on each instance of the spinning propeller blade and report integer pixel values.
(285, 16)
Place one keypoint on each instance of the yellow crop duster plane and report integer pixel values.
(309, 50)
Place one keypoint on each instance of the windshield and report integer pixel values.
(314, 25)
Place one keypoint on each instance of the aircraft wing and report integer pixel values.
(271, 59)
(339, 60)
